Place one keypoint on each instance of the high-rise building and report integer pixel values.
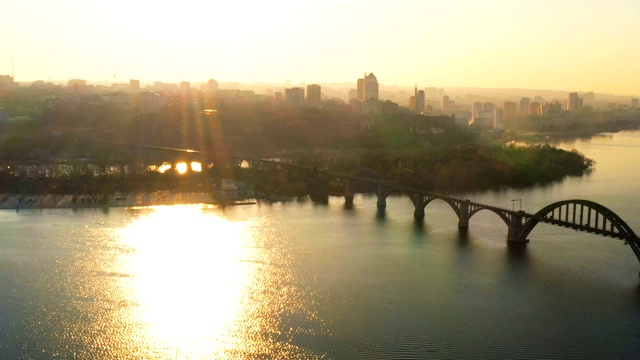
(498, 119)
(420, 101)
(360, 89)
(510, 110)
(134, 85)
(431, 92)
(544, 109)
(370, 87)
(313, 95)
(555, 108)
(589, 97)
(525, 103)
(412, 99)
(488, 107)
(212, 85)
(635, 103)
(476, 107)
(7, 83)
(535, 108)
(447, 105)
(417, 101)
(185, 86)
(574, 103)
(295, 96)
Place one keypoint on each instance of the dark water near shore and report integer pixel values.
(303, 280)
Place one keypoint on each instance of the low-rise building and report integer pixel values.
(151, 102)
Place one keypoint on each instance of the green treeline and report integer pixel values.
(466, 168)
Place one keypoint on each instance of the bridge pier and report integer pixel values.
(382, 204)
(463, 215)
(418, 205)
(348, 200)
(348, 193)
(515, 229)
(382, 199)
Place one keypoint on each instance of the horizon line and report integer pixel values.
(106, 82)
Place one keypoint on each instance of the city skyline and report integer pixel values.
(568, 45)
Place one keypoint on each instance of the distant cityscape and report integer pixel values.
(481, 109)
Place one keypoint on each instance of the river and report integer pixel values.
(306, 280)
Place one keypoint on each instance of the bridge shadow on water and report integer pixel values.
(419, 226)
(517, 255)
(420, 230)
(319, 203)
(463, 237)
(517, 250)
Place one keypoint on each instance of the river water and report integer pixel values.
(306, 280)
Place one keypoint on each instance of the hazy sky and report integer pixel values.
(576, 45)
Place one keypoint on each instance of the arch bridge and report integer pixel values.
(579, 215)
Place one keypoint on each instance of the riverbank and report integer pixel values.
(57, 201)
(539, 137)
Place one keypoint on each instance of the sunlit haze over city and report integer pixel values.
(570, 45)
(305, 179)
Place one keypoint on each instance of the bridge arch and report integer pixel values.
(583, 215)
(454, 207)
(390, 190)
(501, 214)
(369, 184)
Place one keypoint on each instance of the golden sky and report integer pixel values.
(577, 45)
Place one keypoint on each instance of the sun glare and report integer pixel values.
(189, 277)
(162, 168)
(181, 167)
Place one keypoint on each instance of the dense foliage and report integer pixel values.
(470, 167)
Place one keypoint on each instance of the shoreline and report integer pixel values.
(133, 199)
(557, 136)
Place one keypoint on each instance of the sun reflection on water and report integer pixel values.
(199, 285)
(189, 277)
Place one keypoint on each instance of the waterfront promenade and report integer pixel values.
(57, 201)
